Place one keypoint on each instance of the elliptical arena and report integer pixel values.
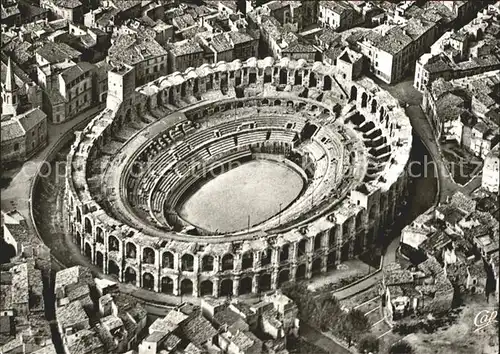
(132, 167)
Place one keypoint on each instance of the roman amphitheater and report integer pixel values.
(233, 178)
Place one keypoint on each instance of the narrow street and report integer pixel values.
(407, 94)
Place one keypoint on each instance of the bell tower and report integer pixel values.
(9, 92)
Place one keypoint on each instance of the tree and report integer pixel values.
(318, 311)
(401, 347)
(326, 312)
(368, 344)
(353, 325)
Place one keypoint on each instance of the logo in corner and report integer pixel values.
(485, 318)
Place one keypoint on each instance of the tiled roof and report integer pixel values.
(67, 4)
(339, 7)
(30, 11)
(435, 242)
(11, 129)
(76, 71)
(300, 48)
(57, 52)
(197, 330)
(133, 49)
(8, 11)
(73, 275)
(239, 37)
(185, 47)
(430, 266)
(71, 314)
(48, 349)
(31, 118)
(84, 342)
(220, 43)
(245, 340)
(226, 317)
(183, 21)
(20, 284)
(463, 202)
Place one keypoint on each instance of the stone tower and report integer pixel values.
(9, 92)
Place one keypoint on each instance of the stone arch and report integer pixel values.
(206, 288)
(354, 93)
(316, 266)
(331, 236)
(128, 116)
(344, 252)
(265, 102)
(268, 72)
(159, 100)
(130, 250)
(99, 259)
(318, 242)
(284, 252)
(247, 260)
(148, 255)
(187, 263)
(183, 89)
(207, 263)
(301, 247)
(227, 262)
(99, 235)
(265, 282)
(167, 285)
(312, 80)
(78, 215)
(301, 272)
(374, 106)
(113, 268)
(358, 244)
(113, 244)
(327, 83)
(359, 220)
(186, 286)
(283, 76)
(88, 226)
(266, 256)
(245, 286)
(167, 260)
(226, 287)
(373, 212)
(283, 277)
(78, 239)
(148, 281)
(330, 261)
(277, 102)
(196, 86)
(88, 250)
(130, 276)
(364, 99)
(298, 78)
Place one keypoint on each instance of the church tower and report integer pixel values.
(9, 92)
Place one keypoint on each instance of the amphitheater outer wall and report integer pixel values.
(261, 261)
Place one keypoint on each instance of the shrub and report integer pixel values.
(368, 344)
(401, 347)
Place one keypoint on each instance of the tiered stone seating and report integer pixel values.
(253, 137)
(221, 146)
(283, 135)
